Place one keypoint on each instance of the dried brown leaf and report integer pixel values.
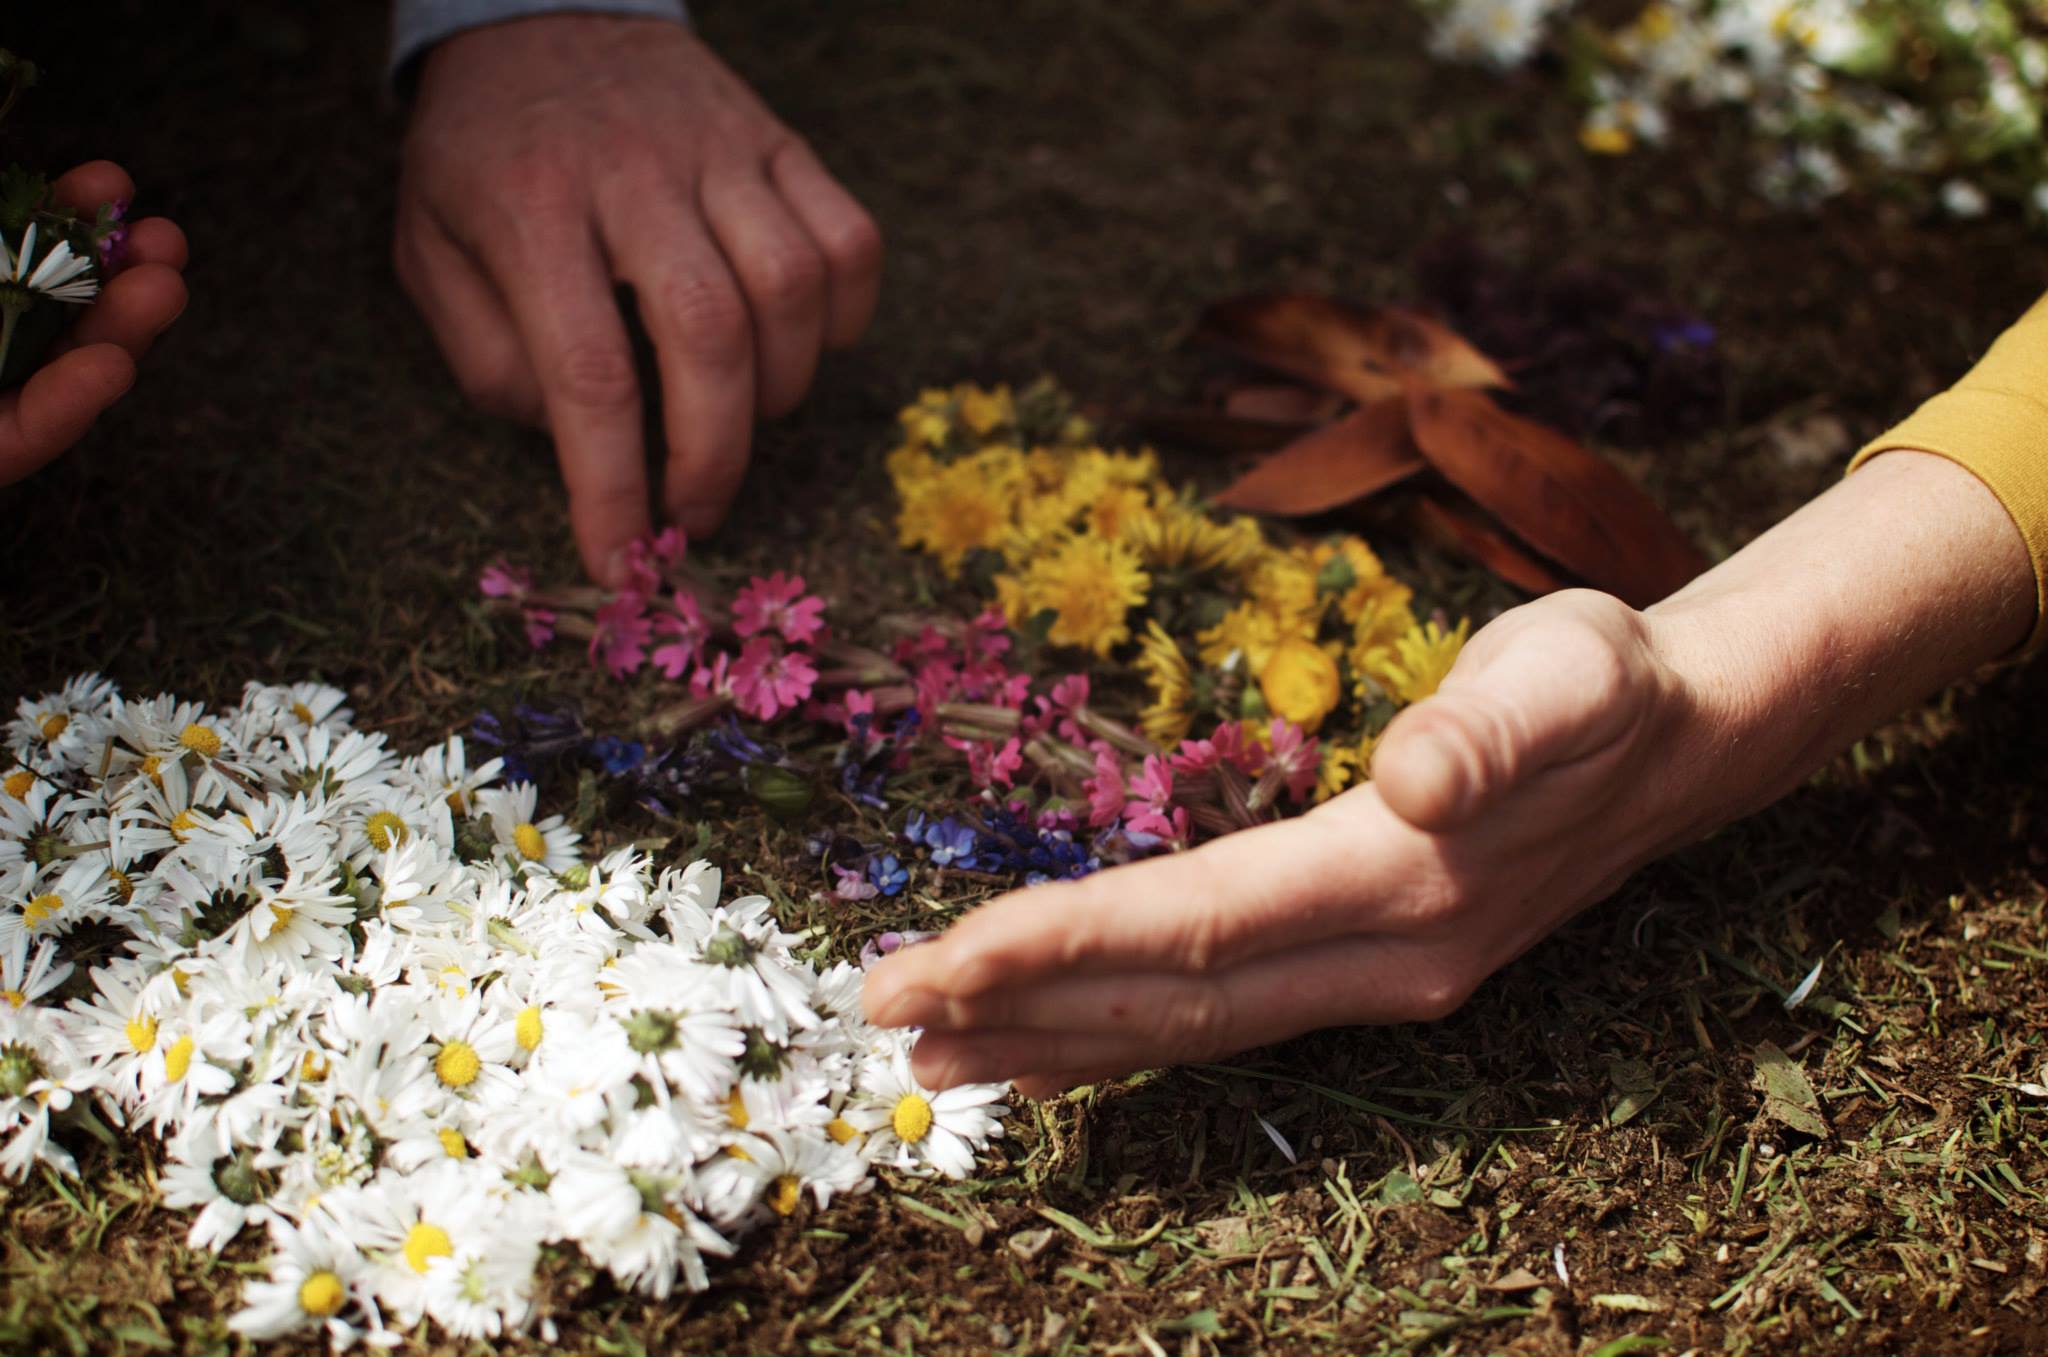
(1362, 353)
(1454, 523)
(1359, 455)
(1554, 495)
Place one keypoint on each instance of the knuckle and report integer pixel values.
(541, 181)
(789, 275)
(597, 375)
(1438, 993)
(854, 245)
(1201, 940)
(709, 316)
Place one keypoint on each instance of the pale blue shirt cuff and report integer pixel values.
(417, 25)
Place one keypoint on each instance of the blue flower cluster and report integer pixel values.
(1002, 840)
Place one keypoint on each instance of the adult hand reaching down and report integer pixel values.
(552, 158)
(93, 364)
(1575, 740)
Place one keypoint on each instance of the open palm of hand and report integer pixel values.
(1545, 770)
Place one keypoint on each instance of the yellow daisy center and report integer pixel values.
(124, 885)
(141, 1035)
(842, 1130)
(531, 843)
(453, 978)
(322, 1294)
(41, 908)
(178, 1059)
(55, 724)
(182, 824)
(454, 800)
(453, 1143)
(303, 712)
(786, 1193)
(18, 783)
(735, 1152)
(912, 1118)
(527, 1028)
(457, 1065)
(201, 740)
(426, 1241)
(281, 915)
(384, 830)
(736, 1109)
(312, 1067)
(153, 769)
(14, 997)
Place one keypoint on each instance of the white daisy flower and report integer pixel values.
(522, 839)
(60, 275)
(318, 1279)
(909, 1127)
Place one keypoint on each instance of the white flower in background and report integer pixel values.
(1502, 33)
(523, 838)
(414, 1069)
(59, 275)
(912, 1128)
(1962, 199)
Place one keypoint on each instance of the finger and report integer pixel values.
(1047, 1085)
(469, 320)
(1552, 685)
(704, 342)
(1075, 1024)
(1264, 889)
(158, 240)
(555, 282)
(782, 273)
(131, 310)
(92, 186)
(58, 404)
(847, 235)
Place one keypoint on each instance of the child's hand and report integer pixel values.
(94, 364)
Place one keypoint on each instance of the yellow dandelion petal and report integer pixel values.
(1299, 682)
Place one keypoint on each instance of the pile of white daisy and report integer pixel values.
(382, 1009)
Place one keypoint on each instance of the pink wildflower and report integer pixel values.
(1295, 759)
(768, 680)
(778, 603)
(853, 884)
(688, 632)
(620, 641)
(1106, 791)
(991, 766)
(500, 580)
(1150, 809)
(713, 677)
(1056, 709)
(859, 704)
(540, 627)
(650, 557)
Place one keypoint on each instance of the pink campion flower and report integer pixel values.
(1150, 809)
(501, 580)
(1194, 758)
(859, 703)
(778, 603)
(540, 627)
(1056, 708)
(668, 546)
(648, 560)
(768, 680)
(988, 636)
(990, 765)
(1106, 790)
(713, 677)
(853, 884)
(1295, 758)
(1236, 748)
(935, 681)
(686, 632)
(623, 629)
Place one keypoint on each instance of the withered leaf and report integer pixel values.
(1362, 353)
(1788, 1096)
(1556, 496)
(1364, 452)
(1456, 525)
(1282, 403)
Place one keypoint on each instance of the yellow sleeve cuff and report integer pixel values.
(1999, 435)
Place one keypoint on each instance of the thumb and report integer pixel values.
(1550, 683)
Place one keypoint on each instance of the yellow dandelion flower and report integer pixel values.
(1178, 536)
(1285, 583)
(1299, 681)
(1091, 585)
(1166, 718)
(928, 421)
(1348, 570)
(984, 412)
(1343, 766)
(1248, 632)
(1416, 664)
(1118, 513)
(953, 508)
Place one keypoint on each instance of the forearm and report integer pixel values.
(1899, 580)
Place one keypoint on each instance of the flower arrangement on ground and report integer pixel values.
(386, 1010)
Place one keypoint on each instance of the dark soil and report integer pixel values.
(295, 488)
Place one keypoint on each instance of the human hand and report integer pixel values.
(1526, 789)
(93, 365)
(550, 158)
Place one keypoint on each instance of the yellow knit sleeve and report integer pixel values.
(1994, 424)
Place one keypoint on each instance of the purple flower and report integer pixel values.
(876, 948)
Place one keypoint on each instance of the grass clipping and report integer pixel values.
(383, 1009)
